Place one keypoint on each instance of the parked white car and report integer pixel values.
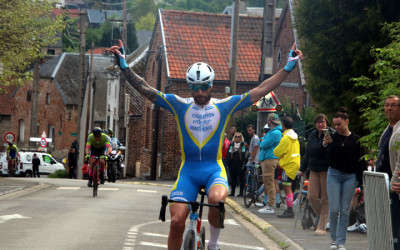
(48, 164)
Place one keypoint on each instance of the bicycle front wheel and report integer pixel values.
(190, 241)
(202, 240)
(248, 195)
(95, 180)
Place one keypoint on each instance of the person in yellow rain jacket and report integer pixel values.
(288, 153)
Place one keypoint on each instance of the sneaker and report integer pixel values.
(90, 183)
(327, 227)
(286, 214)
(362, 228)
(260, 204)
(341, 247)
(353, 227)
(266, 210)
(334, 245)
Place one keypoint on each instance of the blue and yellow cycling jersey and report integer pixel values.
(201, 134)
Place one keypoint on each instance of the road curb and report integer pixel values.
(25, 191)
(272, 232)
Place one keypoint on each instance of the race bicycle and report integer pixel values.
(96, 172)
(252, 185)
(195, 234)
(12, 167)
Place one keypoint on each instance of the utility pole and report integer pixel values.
(156, 117)
(81, 88)
(234, 47)
(124, 28)
(89, 108)
(267, 46)
(267, 51)
(35, 92)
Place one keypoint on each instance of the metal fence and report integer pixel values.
(377, 210)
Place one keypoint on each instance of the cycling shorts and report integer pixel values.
(199, 173)
(97, 151)
(286, 178)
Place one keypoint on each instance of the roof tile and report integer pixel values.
(192, 37)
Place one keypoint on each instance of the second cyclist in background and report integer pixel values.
(97, 144)
(12, 153)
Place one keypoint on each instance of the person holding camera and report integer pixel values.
(344, 175)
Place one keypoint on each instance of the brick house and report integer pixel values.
(57, 102)
(188, 37)
(6, 93)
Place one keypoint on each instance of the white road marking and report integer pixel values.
(69, 188)
(5, 218)
(109, 189)
(155, 235)
(147, 191)
(144, 243)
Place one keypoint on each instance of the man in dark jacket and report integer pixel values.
(35, 166)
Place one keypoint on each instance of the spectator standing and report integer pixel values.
(387, 160)
(72, 162)
(35, 166)
(269, 161)
(235, 159)
(288, 153)
(85, 170)
(344, 174)
(253, 148)
(316, 160)
(232, 132)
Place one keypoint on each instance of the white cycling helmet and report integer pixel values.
(200, 73)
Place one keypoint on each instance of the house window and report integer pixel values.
(21, 130)
(51, 52)
(279, 57)
(47, 98)
(28, 95)
(51, 132)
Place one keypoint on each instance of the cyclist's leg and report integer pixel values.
(217, 187)
(186, 188)
(102, 168)
(179, 213)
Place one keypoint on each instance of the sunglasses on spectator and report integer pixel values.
(237, 136)
(197, 87)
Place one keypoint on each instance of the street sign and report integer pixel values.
(9, 137)
(44, 134)
(43, 142)
(268, 103)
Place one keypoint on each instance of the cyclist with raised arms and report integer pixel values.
(97, 144)
(201, 124)
(12, 153)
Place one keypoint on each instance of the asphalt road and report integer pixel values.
(62, 214)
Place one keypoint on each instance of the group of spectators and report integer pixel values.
(333, 163)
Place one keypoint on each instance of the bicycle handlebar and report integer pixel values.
(195, 204)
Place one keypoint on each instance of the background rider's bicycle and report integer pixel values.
(194, 236)
(96, 172)
(12, 167)
(252, 185)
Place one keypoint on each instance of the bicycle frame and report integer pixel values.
(96, 173)
(194, 235)
(251, 186)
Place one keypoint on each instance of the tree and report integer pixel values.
(385, 82)
(146, 22)
(336, 37)
(26, 27)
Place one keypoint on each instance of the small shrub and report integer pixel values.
(59, 174)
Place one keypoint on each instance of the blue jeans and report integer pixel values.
(340, 187)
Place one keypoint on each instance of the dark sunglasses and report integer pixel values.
(237, 136)
(197, 87)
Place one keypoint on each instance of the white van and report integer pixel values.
(48, 164)
(3, 164)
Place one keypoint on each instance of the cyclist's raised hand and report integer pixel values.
(119, 54)
(294, 56)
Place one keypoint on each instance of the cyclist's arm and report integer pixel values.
(140, 84)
